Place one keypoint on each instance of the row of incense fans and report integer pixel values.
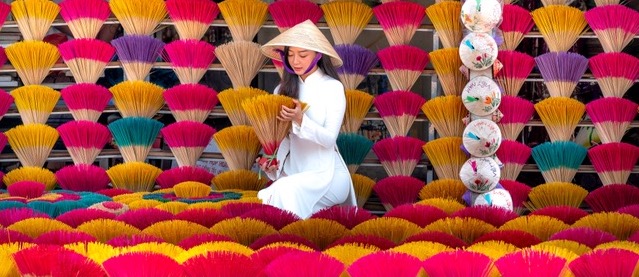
(250, 240)
(161, 238)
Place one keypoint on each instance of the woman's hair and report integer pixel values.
(289, 86)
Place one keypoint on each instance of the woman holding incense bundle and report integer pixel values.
(311, 174)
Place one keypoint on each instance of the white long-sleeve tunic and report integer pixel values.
(312, 174)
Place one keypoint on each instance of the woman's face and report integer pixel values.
(300, 59)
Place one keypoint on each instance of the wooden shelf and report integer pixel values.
(269, 24)
(219, 112)
(534, 77)
(63, 156)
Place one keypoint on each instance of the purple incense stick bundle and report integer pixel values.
(137, 54)
(358, 61)
(561, 71)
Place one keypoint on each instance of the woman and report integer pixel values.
(311, 174)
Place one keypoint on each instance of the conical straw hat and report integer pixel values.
(304, 35)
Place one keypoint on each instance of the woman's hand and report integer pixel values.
(295, 114)
(262, 162)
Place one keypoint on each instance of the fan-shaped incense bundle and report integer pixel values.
(192, 189)
(82, 177)
(84, 17)
(244, 17)
(190, 59)
(560, 26)
(517, 67)
(279, 67)
(241, 179)
(516, 22)
(358, 103)
(559, 161)
(3, 142)
(446, 156)
(613, 197)
(142, 264)
(353, 148)
(86, 101)
(26, 189)
(399, 155)
(174, 176)
(399, 20)
(35, 103)
(5, 9)
(445, 113)
(134, 136)
(134, 176)
(478, 264)
(86, 58)
(363, 188)
(513, 155)
(358, 61)
(619, 261)
(530, 261)
(403, 65)
(187, 140)
(566, 214)
(32, 59)
(138, 17)
(446, 63)
(3, 55)
(614, 161)
(519, 193)
(443, 188)
(395, 191)
(288, 13)
(445, 17)
(6, 100)
(32, 143)
(55, 259)
(190, 102)
(384, 263)
(241, 59)
(560, 115)
(399, 109)
(229, 263)
(29, 173)
(239, 146)
(556, 194)
(346, 20)
(137, 98)
(467, 229)
(192, 18)
(34, 17)
(137, 54)
(538, 225)
(561, 72)
(316, 263)
(601, 3)
(232, 99)
(84, 140)
(517, 112)
(614, 25)
(262, 112)
(611, 117)
(615, 72)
